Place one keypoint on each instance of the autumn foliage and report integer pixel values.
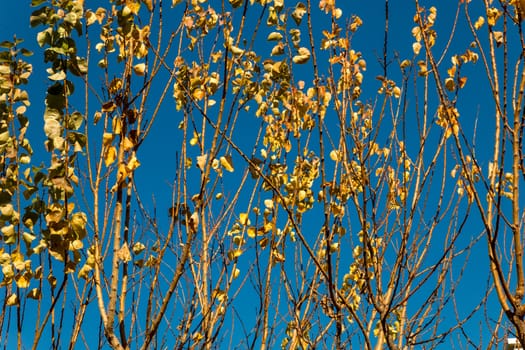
(250, 174)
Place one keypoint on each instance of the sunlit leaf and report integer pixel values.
(479, 22)
(498, 36)
(138, 248)
(299, 12)
(236, 3)
(243, 219)
(140, 69)
(302, 57)
(90, 17)
(22, 281)
(236, 50)
(52, 128)
(149, 4)
(78, 223)
(58, 76)
(34, 294)
(416, 47)
(84, 271)
(123, 253)
(234, 254)
(226, 162)
(12, 300)
(109, 106)
(110, 156)
(450, 84)
(201, 161)
(133, 164)
(275, 36)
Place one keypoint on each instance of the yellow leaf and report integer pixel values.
(334, 155)
(252, 232)
(132, 164)
(302, 57)
(274, 36)
(34, 294)
(90, 17)
(461, 82)
(100, 14)
(195, 139)
(97, 117)
(396, 91)
(110, 156)
(201, 161)
(22, 281)
(236, 50)
(140, 69)
(84, 271)
(149, 4)
(12, 300)
(416, 47)
(243, 219)
(236, 3)
(479, 23)
(132, 7)
(78, 224)
(123, 253)
(234, 253)
(279, 257)
(109, 106)
(127, 144)
(226, 163)
(76, 245)
(116, 125)
(449, 84)
(107, 138)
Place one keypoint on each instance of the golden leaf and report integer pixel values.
(12, 300)
(22, 281)
(234, 254)
(34, 294)
(140, 69)
(227, 164)
(107, 138)
(302, 57)
(449, 84)
(201, 161)
(479, 23)
(274, 36)
(123, 254)
(243, 219)
(110, 156)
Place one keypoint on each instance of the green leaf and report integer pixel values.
(7, 44)
(35, 3)
(26, 52)
(40, 16)
(78, 66)
(43, 38)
